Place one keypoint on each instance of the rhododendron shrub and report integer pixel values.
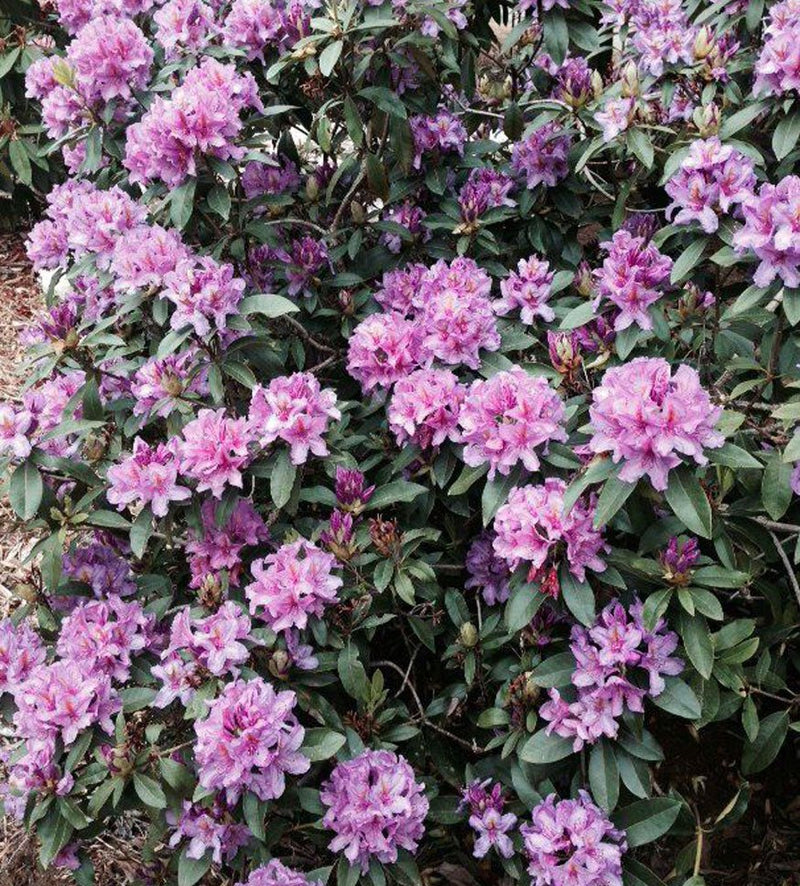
(409, 437)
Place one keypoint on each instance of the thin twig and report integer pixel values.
(789, 571)
(470, 746)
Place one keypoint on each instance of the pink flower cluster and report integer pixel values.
(376, 807)
(205, 828)
(14, 427)
(772, 230)
(572, 843)
(183, 26)
(160, 384)
(506, 418)
(541, 158)
(111, 58)
(215, 643)
(250, 741)
(712, 179)
(21, 652)
(424, 407)
(295, 582)
(74, 14)
(488, 572)
(82, 219)
(147, 477)
(144, 256)
(202, 117)
(527, 288)
(274, 873)
(487, 820)
(441, 313)
(630, 277)
(647, 418)
(61, 700)
(203, 292)
(607, 656)
(220, 547)
(532, 526)
(102, 635)
(777, 68)
(296, 410)
(443, 133)
(213, 450)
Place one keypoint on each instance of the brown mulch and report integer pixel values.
(20, 299)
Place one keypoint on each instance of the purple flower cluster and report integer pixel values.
(183, 26)
(295, 582)
(147, 477)
(532, 526)
(213, 450)
(296, 410)
(250, 741)
(102, 635)
(772, 231)
(220, 547)
(274, 873)
(204, 292)
(205, 828)
(376, 807)
(712, 179)
(630, 278)
(485, 189)
(777, 68)
(21, 652)
(572, 843)
(442, 133)
(607, 655)
(541, 158)
(488, 572)
(202, 117)
(160, 384)
(647, 418)
(487, 820)
(506, 418)
(410, 217)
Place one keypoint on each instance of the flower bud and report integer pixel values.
(312, 188)
(630, 80)
(468, 635)
(703, 43)
(707, 120)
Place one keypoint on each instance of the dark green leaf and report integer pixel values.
(688, 501)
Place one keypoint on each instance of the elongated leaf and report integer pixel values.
(677, 698)
(604, 775)
(543, 748)
(613, 496)
(757, 755)
(647, 820)
(689, 502)
(25, 490)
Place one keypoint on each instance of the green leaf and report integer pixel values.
(135, 698)
(346, 875)
(688, 501)
(25, 490)
(613, 496)
(741, 119)
(604, 775)
(578, 596)
(182, 204)
(785, 136)
(219, 201)
(394, 492)
(322, 744)
(352, 673)
(20, 160)
(581, 315)
(543, 748)
(522, 606)
(647, 820)
(329, 56)
(281, 480)
(149, 791)
(191, 870)
(776, 490)
(268, 305)
(140, 533)
(757, 755)
(385, 99)
(639, 143)
(469, 476)
(495, 493)
(687, 260)
(733, 457)
(677, 698)
(697, 642)
(53, 832)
